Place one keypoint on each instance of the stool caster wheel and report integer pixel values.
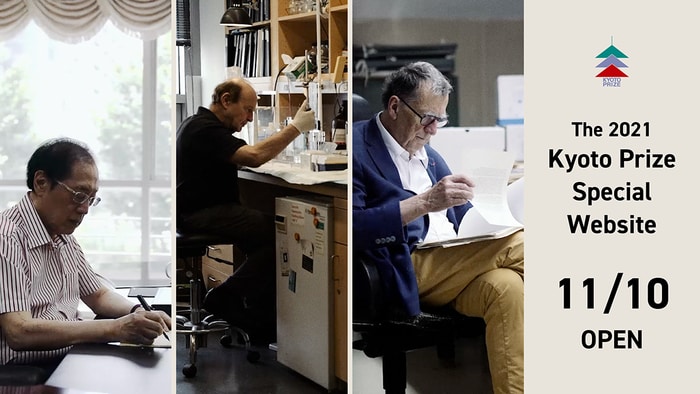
(189, 370)
(226, 340)
(253, 356)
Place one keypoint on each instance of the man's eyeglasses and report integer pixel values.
(81, 198)
(426, 120)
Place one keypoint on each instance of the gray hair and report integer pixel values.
(406, 82)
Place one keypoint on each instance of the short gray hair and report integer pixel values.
(406, 81)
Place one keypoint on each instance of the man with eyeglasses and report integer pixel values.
(44, 271)
(405, 194)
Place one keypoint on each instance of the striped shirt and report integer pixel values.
(39, 274)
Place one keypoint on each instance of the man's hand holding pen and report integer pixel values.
(143, 326)
(147, 307)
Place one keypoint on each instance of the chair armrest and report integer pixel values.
(384, 331)
(369, 304)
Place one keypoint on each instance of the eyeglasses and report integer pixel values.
(426, 120)
(80, 197)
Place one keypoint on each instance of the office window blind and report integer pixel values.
(182, 23)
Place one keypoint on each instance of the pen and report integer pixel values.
(147, 307)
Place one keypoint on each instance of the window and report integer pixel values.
(113, 92)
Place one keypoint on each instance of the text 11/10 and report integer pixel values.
(656, 292)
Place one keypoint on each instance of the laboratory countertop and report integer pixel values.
(288, 176)
(294, 173)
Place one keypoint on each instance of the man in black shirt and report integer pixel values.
(208, 158)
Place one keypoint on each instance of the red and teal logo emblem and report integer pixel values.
(611, 65)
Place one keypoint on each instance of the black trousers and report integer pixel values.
(253, 232)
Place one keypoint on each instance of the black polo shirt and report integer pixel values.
(205, 174)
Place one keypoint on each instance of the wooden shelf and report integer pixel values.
(256, 25)
(302, 17)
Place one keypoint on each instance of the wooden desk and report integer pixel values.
(115, 369)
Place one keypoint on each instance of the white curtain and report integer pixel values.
(74, 21)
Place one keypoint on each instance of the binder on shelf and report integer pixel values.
(261, 13)
(250, 51)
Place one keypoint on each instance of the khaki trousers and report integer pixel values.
(483, 279)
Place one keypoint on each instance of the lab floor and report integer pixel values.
(226, 371)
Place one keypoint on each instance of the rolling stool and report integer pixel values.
(191, 248)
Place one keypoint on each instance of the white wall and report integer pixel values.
(213, 46)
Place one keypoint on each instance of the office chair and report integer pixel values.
(196, 328)
(361, 109)
(384, 334)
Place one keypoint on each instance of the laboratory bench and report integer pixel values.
(259, 189)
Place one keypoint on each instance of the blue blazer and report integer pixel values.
(378, 234)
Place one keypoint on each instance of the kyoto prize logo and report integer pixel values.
(611, 65)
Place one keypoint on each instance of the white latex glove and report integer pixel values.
(304, 120)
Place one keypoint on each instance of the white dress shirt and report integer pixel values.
(414, 177)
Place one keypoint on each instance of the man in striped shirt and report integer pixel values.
(44, 273)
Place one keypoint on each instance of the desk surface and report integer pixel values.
(114, 369)
(104, 368)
